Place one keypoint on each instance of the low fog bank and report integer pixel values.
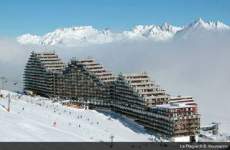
(197, 67)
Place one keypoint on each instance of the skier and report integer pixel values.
(54, 124)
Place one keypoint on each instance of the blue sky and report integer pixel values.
(41, 16)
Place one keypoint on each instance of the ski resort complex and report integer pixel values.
(87, 83)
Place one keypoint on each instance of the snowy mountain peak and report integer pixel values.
(168, 27)
(155, 28)
(197, 23)
(68, 36)
(210, 25)
(88, 35)
(153, 32)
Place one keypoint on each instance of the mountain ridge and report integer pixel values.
(88, 35)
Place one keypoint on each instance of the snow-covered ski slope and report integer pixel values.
(38, 119)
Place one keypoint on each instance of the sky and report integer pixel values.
(42, 16)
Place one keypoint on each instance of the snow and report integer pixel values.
(87, 35)
(181, 139)
(209, 137)
(69, 36)
(210, 25)
(29, 39)
(39, 119)
(175, 105)
(156, 33)
(223, 120)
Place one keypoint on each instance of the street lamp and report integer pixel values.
(4, 80)
(9, 100)
(111, 137)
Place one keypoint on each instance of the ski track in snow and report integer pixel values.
(32, 119)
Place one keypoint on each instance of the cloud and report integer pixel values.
(13, 57)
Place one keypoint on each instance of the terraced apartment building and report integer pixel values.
(87, 82)
(146, 102)
(40, 72)
(136, 93)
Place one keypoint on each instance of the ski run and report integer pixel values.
(38, 119)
